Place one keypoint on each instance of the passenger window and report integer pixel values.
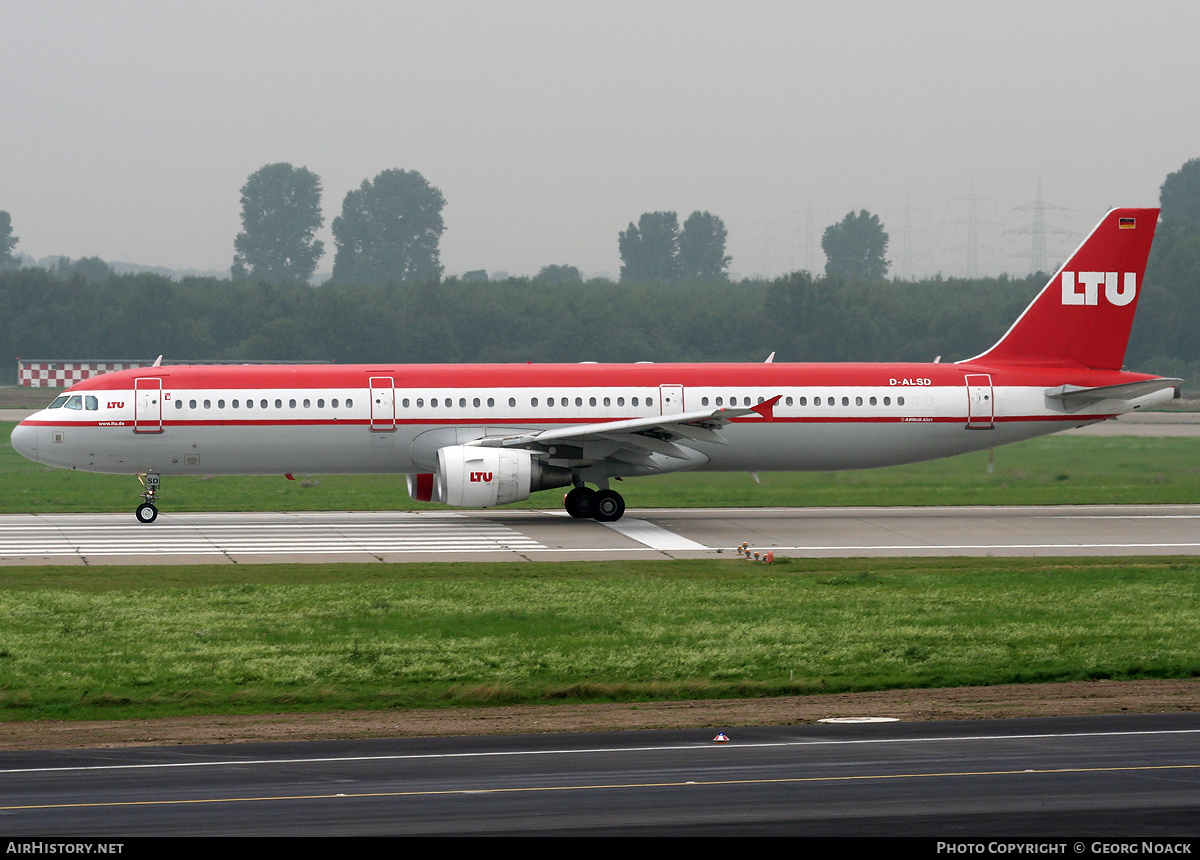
(816, 401)
(887, 401)
(620, 401)
(858, 401)
(874, 401)
(208, 404)
(321, 403)
(720, 401)
(899, 401)
(578, 401)
(591, 401)
(512, 401)
(333, 403)
(178, 404)
(788, 401)
(475, 403)
(845, 401)
(292, 403)
(634, 401)
(703, 401)
(263, 404)
(191, 404)
(308, 403)
(349, 403)
(220, 404)
(803, 401)
(462, 402)
(533, 401)
(650, 401)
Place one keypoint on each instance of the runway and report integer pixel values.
(499, 535)
(1120, 776)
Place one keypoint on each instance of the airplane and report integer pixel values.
(485, 435)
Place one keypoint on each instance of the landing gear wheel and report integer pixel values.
(581, 503)
(146, 512)
(609, 506)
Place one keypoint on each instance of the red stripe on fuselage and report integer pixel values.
(583, 376)
(542, 421)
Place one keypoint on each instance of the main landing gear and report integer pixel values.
(605, 506)
(146, 512)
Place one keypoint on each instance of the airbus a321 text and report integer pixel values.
(483, 435)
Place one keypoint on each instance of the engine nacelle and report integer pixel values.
(477, 477)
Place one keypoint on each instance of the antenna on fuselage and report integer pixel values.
(157, 362)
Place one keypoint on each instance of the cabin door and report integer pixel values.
(981, 402)
(147, 405)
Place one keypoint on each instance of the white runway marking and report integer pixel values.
(61, 536)
(653, 536)
(686, 748)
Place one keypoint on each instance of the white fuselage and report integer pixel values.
(351, 420)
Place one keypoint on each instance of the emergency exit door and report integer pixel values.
(383, 403)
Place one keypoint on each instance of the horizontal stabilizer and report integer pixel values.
(1127, 391)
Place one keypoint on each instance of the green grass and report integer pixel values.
(140, 642)
(1049, 470)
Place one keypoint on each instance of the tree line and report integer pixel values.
(390, 229)
(368, 314)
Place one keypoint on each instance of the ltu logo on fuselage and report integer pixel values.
(1083, 288)
(481, 477)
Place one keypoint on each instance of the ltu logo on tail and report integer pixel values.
(1083, 288)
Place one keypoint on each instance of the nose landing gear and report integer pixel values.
(147, 512)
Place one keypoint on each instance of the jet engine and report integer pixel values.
(476, 477)
(421, 488)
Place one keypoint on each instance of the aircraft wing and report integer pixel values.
(1081, 395)
(632, 440)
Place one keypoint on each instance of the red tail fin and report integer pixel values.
(1083, 315)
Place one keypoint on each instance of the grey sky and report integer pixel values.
(130, 127)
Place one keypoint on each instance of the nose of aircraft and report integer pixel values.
(25, 440)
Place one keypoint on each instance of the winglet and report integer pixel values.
(767, 408)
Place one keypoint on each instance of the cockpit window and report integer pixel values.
(58, 402)
(75, 402)
(91, 403)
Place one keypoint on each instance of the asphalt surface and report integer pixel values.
(1078, 778)
(497, 535)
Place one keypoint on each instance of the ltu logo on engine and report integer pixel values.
(1083, 288)
(481, 477)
